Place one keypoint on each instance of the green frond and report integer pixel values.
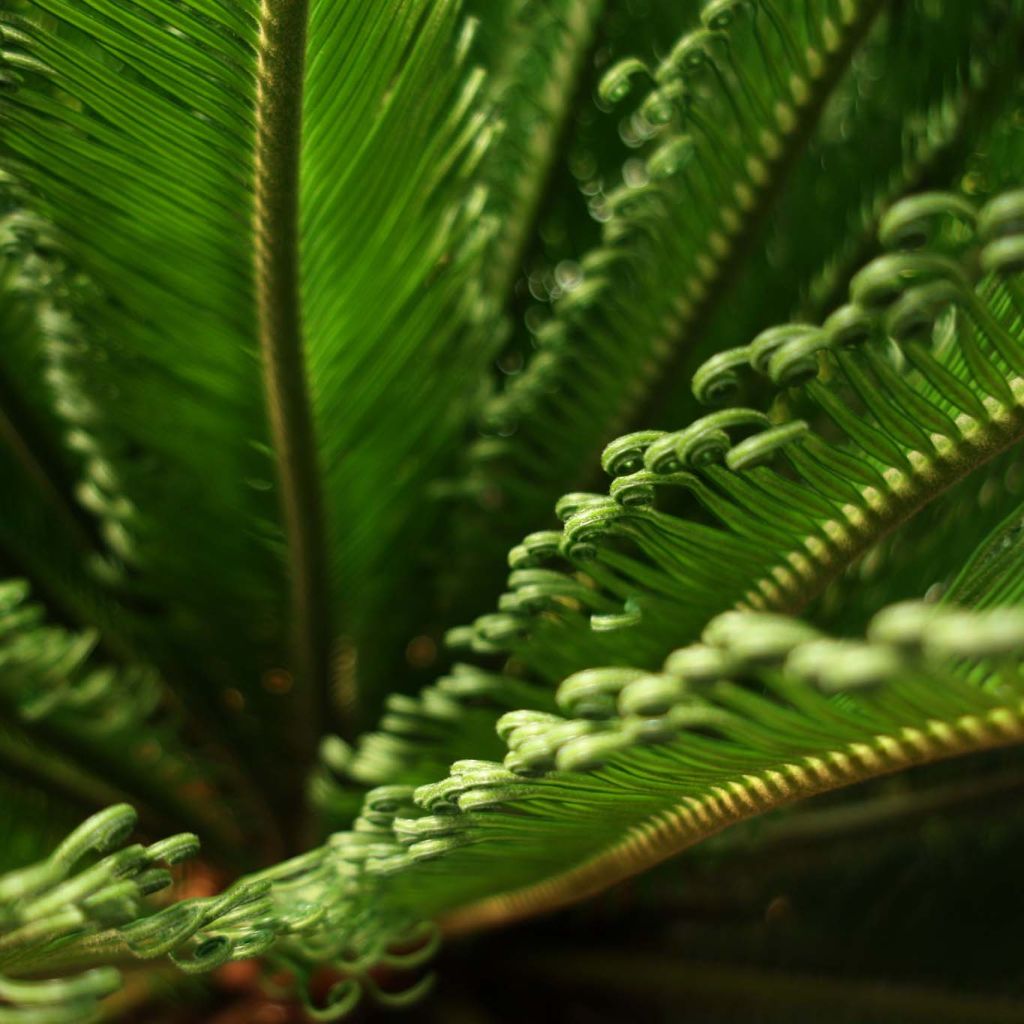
(932, 144)
(146, 306)
(110, 233)
(720, 121)
(763, 711)
(394, 233)
(899, 395)
(906, 424)
(60, 915)
(584, 363)
(118, 723)
(912, 131)
(45, 533)
(153, 296)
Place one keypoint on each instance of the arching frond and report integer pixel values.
(762, 711)
(666, 288)
(118, 723)
(896, 428)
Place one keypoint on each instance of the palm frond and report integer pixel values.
(893, 427)
(763, 711)
(396, 173)
(573, 396)
(152, 327)
(537, 61)
(167, 404)
(725, 115)
(651, 576)
(119, 723)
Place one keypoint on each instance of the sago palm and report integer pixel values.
(708, 316)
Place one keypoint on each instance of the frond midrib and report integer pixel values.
(276, 260)
(908, 495)
(692, 821)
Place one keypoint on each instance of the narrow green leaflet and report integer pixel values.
(88, 900)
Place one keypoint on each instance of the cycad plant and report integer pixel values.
(709, 315)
